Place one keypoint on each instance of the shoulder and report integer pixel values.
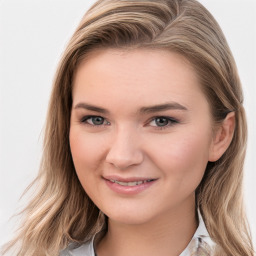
(85, 249)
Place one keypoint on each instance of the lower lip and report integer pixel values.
(129, 190)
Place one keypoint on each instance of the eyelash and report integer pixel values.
(85, 119)
(171, 121)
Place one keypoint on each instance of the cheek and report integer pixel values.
(183, 158)
(87, 151)
(87, 154)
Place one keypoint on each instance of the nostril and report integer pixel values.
(123, 160)
(125, 149)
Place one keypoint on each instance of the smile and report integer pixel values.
(131, 183)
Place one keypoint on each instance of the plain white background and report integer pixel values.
(33, 34)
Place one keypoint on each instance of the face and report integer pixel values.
(140, 133)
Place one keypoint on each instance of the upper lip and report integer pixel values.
(127, 179)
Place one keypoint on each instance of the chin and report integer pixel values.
(130, 217)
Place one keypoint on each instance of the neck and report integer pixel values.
(168, 235)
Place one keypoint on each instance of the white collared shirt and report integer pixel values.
(200, 245)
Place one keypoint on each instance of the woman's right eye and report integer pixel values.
(95, 120)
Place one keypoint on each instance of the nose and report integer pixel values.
(125, 150)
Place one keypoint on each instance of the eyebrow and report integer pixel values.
(162, 107)
(143, 110)
(92, 108)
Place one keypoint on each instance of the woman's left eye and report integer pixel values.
(162, 121)
(94, 120)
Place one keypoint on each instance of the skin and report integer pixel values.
(130, 142)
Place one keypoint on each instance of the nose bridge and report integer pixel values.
(125, 149)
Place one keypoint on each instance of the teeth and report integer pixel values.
(130, 184)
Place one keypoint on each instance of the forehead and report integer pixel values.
(136, 76)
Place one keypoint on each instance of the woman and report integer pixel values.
(145, 139)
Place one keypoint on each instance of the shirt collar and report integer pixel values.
(200, 245)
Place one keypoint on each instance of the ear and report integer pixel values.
(222, 137)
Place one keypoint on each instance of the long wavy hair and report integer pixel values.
(61, 212)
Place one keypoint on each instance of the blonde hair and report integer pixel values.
(61, 212)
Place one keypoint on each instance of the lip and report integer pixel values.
(143, 184)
